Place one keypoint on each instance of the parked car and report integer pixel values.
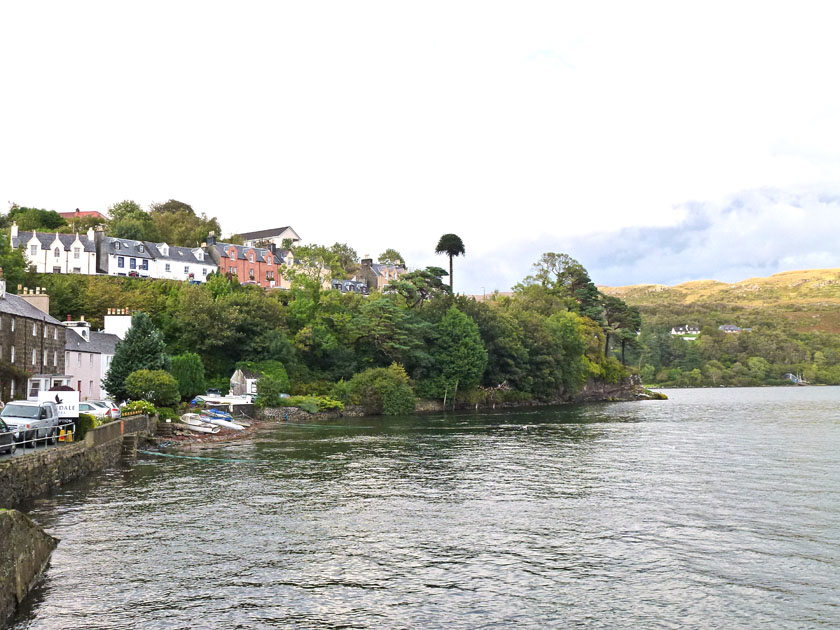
(89, 407)
(110, 406)
(31, 421)
(8, 444)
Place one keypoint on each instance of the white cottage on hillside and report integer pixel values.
(180, 263)
(50, 252)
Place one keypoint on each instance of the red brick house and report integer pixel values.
(250, 265)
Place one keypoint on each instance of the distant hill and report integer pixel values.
(809, 300)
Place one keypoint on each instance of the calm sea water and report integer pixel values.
(715, 509)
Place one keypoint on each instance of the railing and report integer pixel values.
(63, 433)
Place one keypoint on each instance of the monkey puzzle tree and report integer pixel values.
(451, 245)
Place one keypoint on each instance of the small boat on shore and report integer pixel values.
(223, 415)
(193, 422)
(221, 422)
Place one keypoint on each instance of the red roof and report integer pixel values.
(85, 213)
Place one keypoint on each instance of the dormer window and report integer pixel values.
(33, 250)
(140, 248)
(116, 245)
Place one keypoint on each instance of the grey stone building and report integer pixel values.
(31, 347)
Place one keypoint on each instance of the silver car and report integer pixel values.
(31, 421)
(108, 404)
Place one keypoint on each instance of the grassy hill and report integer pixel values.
(808, 300)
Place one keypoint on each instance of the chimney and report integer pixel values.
(91, 235)
(14, 233)
(37, 298)
(211, 239)
(367, 262)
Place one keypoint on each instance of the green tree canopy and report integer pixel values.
(29, 219)
(459, 354)
(188, 370)
(391, 257)
(142, 349)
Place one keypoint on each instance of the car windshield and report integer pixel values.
(20, 411)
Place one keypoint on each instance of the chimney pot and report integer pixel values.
(82, 318)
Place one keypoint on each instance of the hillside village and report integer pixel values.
(71, 353)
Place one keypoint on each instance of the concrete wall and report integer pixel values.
(42, 471)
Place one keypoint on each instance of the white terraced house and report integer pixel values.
(50, 252)
(190, 264)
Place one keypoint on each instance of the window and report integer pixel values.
(55, 358)
(269, 275)
(57, 252)
(13, 324)
(34, 357)
(77, 253)
(77, 270)
(140, 248)
(132, 262)
(79, 355)
(34, 387)
(117, 245)
(12, 389)
(144, 264)
(251, 257)
(91, 388)
(186, 269)
(204, 271)
(120, 262)
(45, 331)
(34, 330)
(55, 332)
(12, 357)
(91, 358)
(231, 270)
(45, 357)
(33, 250)
(56, 269)
(251, 274)
(168, 267)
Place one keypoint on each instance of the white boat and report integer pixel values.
(222, 423)
(193, 422)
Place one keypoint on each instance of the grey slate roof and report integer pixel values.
(127, 247)
(249, 236)
(100, 343)
(380, 269)
(240, 252)
(178, 254)
(12, 304)
(48, 238)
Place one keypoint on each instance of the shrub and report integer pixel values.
(341, 391)
(312, 404)
(188, 370)
(269, 390)
(135, 407)
(383, 390)
(313, 388)
(85, 423)
(167, 413)
(156, 386)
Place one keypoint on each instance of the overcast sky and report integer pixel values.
(655, 142)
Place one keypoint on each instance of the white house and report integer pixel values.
(124, 257)
(264, 238)
(180, 263)
(87, 358)
(50, 252)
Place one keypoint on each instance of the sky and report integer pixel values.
(654, 142)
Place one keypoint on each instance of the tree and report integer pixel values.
(391, 257)
(451, 245)
(312, 262)
(621, 321)
(29, 219)
(188, 370)
(158, 387)
(416, 287)
(345, 262)
(128, 220)
(13, 263)
(142, 349)
(567, 279)
(459, 354)
(177, 223)
(382, 390)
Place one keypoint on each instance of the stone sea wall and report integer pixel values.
(24, 552)
(41, 471)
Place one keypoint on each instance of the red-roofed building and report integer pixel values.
(78, 214)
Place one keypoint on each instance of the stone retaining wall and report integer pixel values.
(41, 471)
(24, 553)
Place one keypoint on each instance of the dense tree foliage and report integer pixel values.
(188, 370)
(142, 349)
(391, 257)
